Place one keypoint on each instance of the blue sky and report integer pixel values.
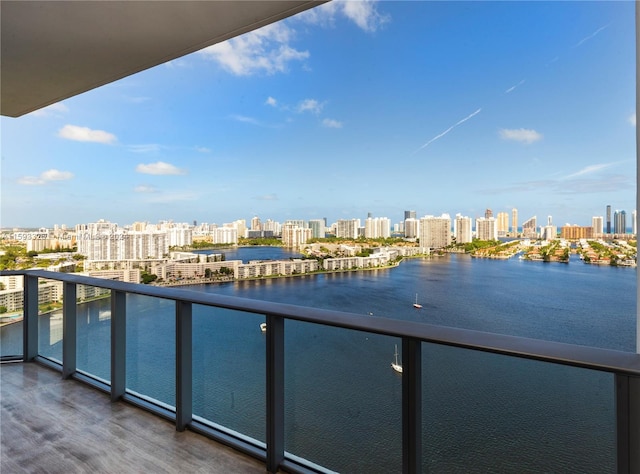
(351, 108)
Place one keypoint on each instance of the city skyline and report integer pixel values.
(351, 108)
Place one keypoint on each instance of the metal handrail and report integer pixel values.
(625, 366)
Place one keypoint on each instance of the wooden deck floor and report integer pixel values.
(64, 426)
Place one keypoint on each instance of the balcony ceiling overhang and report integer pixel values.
(53, 50)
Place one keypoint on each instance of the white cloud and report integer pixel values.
(271, 101)
(590, 169)
(264, 50)
(51, 110)
(309, 105)
(46, 177)
(245, 119)
(267, 197)
(203, 149)
(330, 123)
(159, 168)
(145, 148)
(363, 13)
(85, 134)
(522, 135)
(143, 188)
(632, 119)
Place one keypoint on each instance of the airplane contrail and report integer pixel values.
(448, 130)
(512, 88)
(587, 38)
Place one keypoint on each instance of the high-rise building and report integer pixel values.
(462, 229)
(317, 227)
(514, 222)
(272, 226)
(294, 236)
(488, 214)
(502, 222)
(619, 222)
(377, 227)
(597, 224)
(256, 224)
(409, 215)
(347, 228)
(529, 228)
(608, 219)
(486, 228)
(411, 228)
(435, 232)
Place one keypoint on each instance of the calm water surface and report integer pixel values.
(343, 401)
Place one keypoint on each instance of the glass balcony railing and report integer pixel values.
(315, 389)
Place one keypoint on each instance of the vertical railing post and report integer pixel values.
(30, 318)
(411, 406)
(69, 329)
(118, 344)
(275, 392)
(628, 423)
(184, 367)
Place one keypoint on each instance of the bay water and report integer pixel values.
(481, 412)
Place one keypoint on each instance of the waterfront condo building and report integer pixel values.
(502, 223)
(435, 232)
(411, 228)
(317, 227)
(514, 222)
(347, 228)
(294, 236)
(597, 224)
(619, 222)
(529, 228)
(486, 228)
(462, 229)
(377, 227)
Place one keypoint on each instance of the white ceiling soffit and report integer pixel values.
(52, 50)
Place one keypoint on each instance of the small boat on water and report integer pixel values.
(416, 304)
(263, 327)
(397, 367)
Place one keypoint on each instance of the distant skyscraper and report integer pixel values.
(514, 222)
(409, 215)
(608, 219)
(597, 224)
(503, 224)
(411, 228)
(317, 227)
(435, 232)
(486, 228)
(529, 228)
(347, 229)
(256, 224)
(488, 214)
(549, 220)
(378, 227)
(462, 229)
(619, 222)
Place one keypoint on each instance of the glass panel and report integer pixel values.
(50, 295)
(343, 400)
(11, 305)
(489, 413)
(151, 347)
(93, 350)
(229, 369)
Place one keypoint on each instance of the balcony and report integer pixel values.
(465, 399)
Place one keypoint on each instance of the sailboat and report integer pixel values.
(416, 304)
(397, 367)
